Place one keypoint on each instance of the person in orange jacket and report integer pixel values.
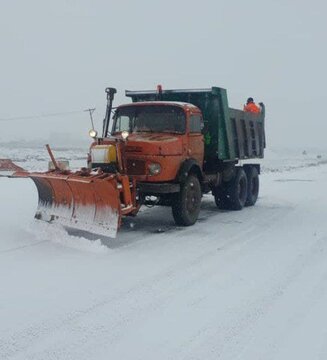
(251, 106)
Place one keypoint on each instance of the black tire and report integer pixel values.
(221, 199)
(253, 186)
(187, 203)
(236, 190)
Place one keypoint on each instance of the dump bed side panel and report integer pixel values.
(248, 134)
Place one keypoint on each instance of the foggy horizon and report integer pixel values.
(59, 57)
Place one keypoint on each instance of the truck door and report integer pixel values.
(195, 138)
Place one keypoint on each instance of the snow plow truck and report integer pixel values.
(166, 147)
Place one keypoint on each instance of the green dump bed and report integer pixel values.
(230, 134)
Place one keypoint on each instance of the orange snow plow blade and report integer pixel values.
(85, 202)
(90, 201)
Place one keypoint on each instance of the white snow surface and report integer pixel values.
(249, 284)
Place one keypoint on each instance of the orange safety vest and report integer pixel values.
(252, 107)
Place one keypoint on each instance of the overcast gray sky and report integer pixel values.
(59, 56)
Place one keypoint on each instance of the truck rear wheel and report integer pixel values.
(236, 190)
(253, 186)
(186, 206)
(221, 199)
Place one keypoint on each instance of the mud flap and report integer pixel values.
(87, 203)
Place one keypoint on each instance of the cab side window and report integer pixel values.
(122, 123)
(196, 123)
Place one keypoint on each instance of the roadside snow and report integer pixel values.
(237, 285)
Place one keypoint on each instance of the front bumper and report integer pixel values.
(158, 188)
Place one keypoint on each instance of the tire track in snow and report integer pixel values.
(17, 248)
(234, 340)
(48, 328)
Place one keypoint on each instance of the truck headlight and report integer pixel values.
(93, 133)
(154, 168)
(125, 135)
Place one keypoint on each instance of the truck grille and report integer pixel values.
(135, 167)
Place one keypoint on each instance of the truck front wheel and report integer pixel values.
(186, 206)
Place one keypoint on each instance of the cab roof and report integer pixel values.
(164, 103)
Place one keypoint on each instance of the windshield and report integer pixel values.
(150, 118)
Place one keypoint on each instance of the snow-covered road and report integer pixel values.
(237, 285)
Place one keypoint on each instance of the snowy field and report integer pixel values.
(237, 285)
